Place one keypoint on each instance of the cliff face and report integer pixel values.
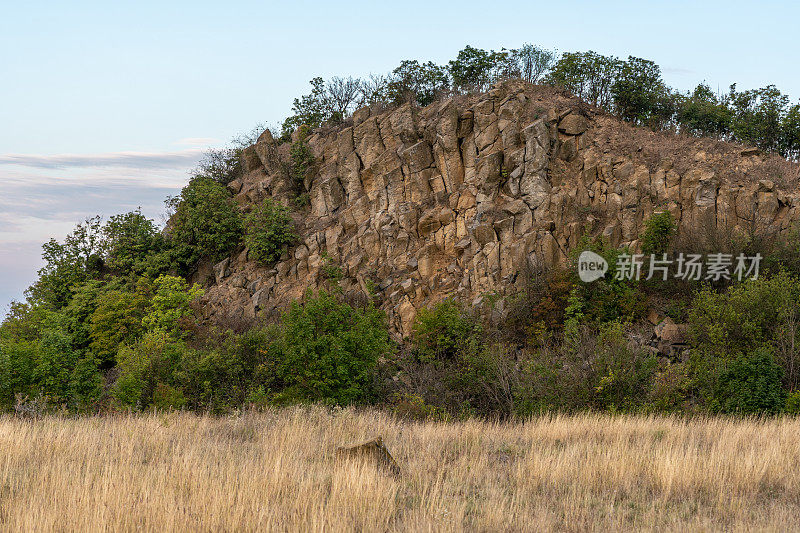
(458, 198)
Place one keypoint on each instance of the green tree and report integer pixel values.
(533, 61)
(133, 245)
(588, 75)
(206, 223)
(327, 351)
(474, 69)
(170, 304)
(147, 366)
(68, 264)
(268, 230)
(790, 133)
(757, 116)
(637, 89)
(312, 109)
(702, 113)
(117, 319)
(421, 83)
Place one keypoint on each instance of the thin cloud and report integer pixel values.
(140, 160)
(198, 141)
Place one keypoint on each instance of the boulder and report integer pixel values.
(573, 124)
(373, 451)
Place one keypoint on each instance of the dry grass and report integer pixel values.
(276, 471)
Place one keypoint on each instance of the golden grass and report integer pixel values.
(277, 471)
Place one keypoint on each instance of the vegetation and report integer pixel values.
(206, 223)
(633, 89)
(586, 473)
(111, 322)
(268, 230)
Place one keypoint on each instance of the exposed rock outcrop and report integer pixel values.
(457, 198)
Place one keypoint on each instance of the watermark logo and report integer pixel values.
(591, 266)
(693, 267)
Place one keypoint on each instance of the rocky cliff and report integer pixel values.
(460, 197)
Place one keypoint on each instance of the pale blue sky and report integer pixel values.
(105, 106)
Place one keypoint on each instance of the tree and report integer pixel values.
(117, 319)
(268, 230)
(637, 89)
(418, 83)
(342, 94)
(587, 75)
(311, 109)
(206, 223)
(533, 61)
(325, 350)
(222, 165)
(702, 113)
(475, 69)
(68, 264)
(757, 116)
(374, 90)
(790, 134)
(133, 244)
(170, 304)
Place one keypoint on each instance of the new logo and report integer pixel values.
(591, 266)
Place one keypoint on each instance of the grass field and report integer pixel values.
(278, 471)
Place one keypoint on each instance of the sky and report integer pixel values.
(107, 106)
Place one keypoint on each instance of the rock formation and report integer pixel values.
(458, 198)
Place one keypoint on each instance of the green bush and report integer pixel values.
(750, 384)
(607, 299)
(745, 317)
(326, 351)
(658, 233)
(590, 369)
(170, 304)
(302, 160)
(440, 333)
(149, 364)
(793, 403)
(268, 230)
(206, 223)
(227, 372)
(117, 318)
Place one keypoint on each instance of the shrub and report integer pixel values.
(149, 364)
(206, 223)
(325, 350)
(117, 318)
(589, 370)
(441, 332)
(302, 160)
(607, 299)
(750, 384)
(221, 165)
(225, 372)
(268, 230)
(133, 244)
(170, 304)
(658, 233)
(793, 403)
(745, 317)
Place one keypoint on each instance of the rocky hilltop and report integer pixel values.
(413, 205)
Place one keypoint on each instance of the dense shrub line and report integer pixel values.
(122, 333)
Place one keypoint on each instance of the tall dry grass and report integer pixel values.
(277, 471)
